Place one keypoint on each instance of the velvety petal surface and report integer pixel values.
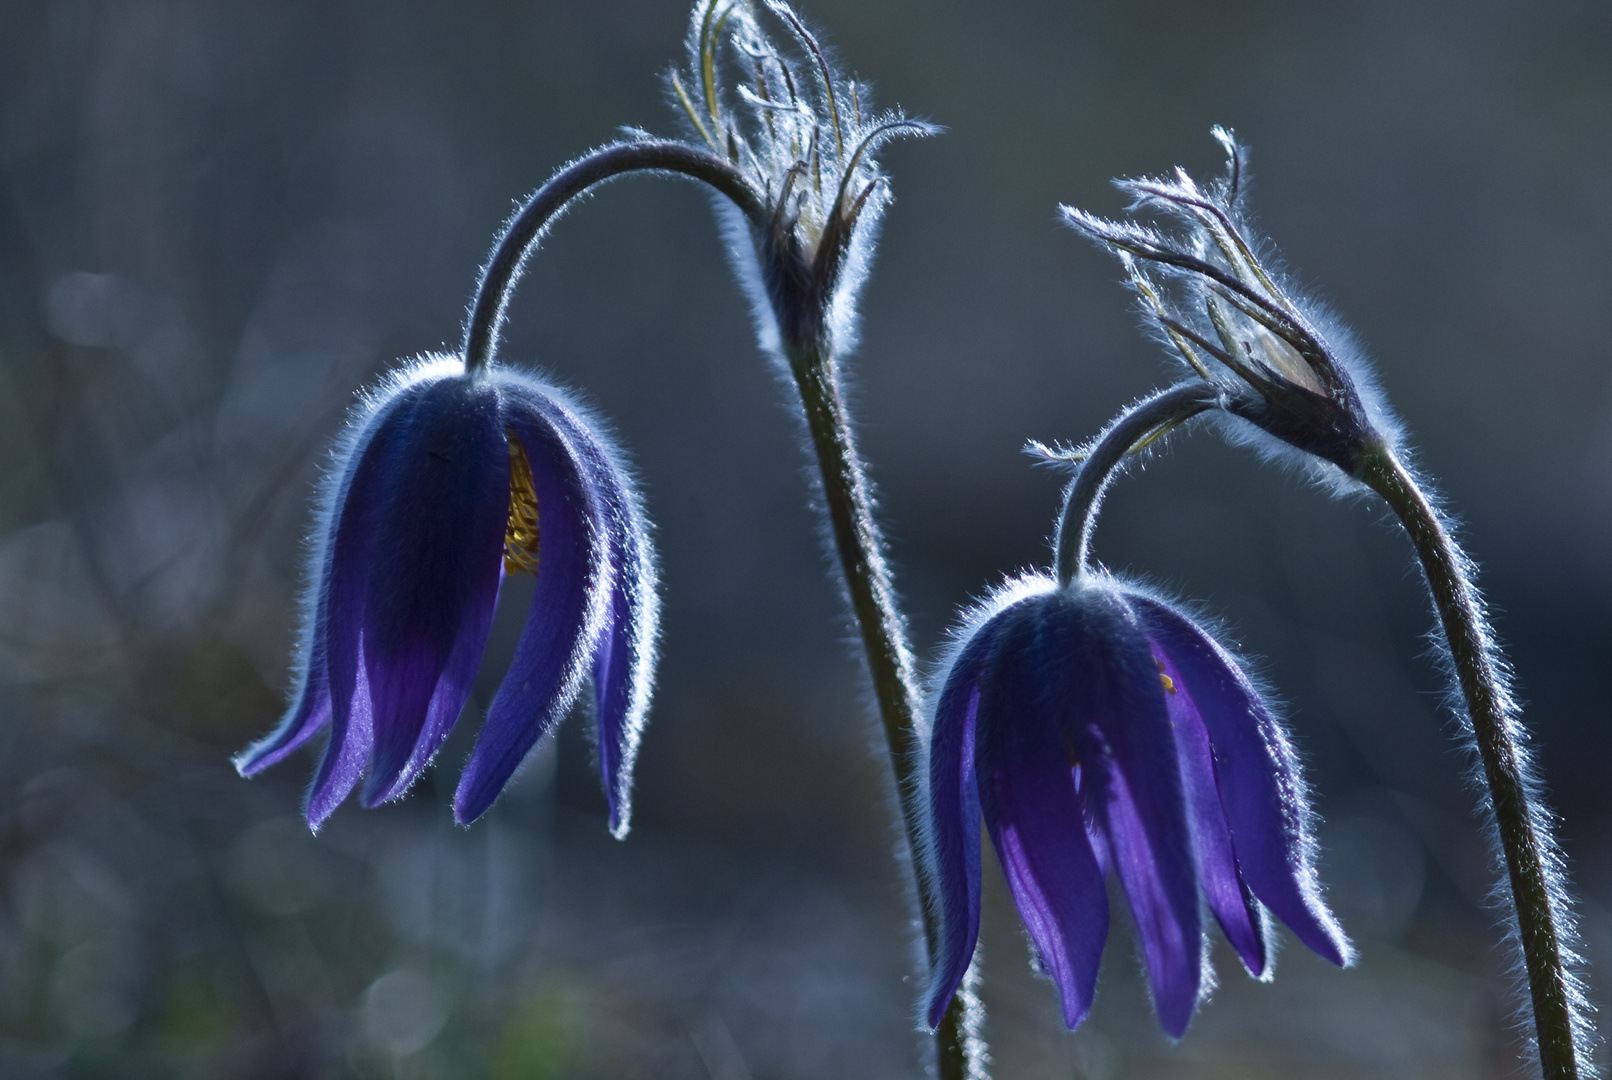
(1027, 793)
(624, 658)
(433, 574)
(1257, 775)
(568, 609)
(357, 519)
(1119, 726)
(310, 712)
(952, 844)
(1228, 897)
(306, 718)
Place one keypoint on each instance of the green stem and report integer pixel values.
(1530, 854)
(959, 1048)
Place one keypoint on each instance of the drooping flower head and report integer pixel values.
(1098, 730)
(802, 135)
(444, 484)
(1276, 362)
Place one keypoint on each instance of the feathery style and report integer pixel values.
(443, 484)
(802, 138)
(1238, 326)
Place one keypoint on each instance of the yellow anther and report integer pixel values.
(1169, 683)
(521, 535)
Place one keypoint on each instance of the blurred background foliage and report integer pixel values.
(218, 220)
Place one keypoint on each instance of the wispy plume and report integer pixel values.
(803, 133)
(1275, 358)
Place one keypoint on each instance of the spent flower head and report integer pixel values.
(1236, 323)
(1098, 730)
(800, 131)
(444, 484)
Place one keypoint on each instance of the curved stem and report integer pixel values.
(1165, 409)
(1544, 923)
(860, 547)
(520, 235)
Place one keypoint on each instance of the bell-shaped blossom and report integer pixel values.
(1098, 730)
(442, 485)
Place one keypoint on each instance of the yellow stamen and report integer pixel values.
(521, 535)
(1169, 683)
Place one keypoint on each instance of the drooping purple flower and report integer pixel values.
(443, 484)
(1098, 730)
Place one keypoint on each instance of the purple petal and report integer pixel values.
(1027, 794)
(952, 844)
(1098, 841)
(352, 736)
(624, 660)
(1120, 729)
(354, 527)
(1257, 774)
(311, 710)
(1234, 907)
(567, 614)
(622, 670)
(306, 717)
(433, 573)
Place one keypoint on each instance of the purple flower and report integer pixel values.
(1097, 729)
(442, 485)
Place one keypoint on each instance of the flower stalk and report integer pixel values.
(1135, 428)
(1531, 858)
(801, 135)
(1274, 363)
(960, 1050)
(523, 232)
(801, 174)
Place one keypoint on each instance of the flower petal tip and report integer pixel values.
(473, 798)
(1340, 950)
(1075, 1013)
(320, 807)
(937, 1013)
(1176, 1016)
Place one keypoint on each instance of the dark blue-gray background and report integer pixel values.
(217, 221)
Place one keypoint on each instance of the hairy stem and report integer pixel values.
(959, 1048)
(1142, 421)
(1543, 921)
(520, 236)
